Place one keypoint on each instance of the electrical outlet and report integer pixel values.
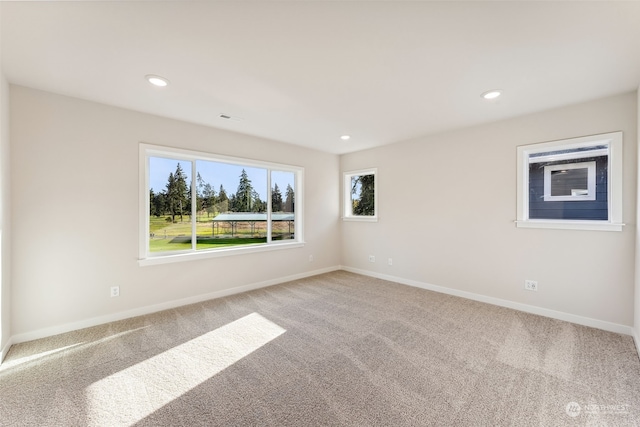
(372, 258)
(310, 258)
(531, 285)
(115, 291)
(390, 261)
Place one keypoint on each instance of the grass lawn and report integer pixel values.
(181, 244)
(167, 236)
(161, 227)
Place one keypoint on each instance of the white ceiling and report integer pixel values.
(306, 72)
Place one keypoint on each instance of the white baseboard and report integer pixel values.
(95, 321)
(559, 315)
(5, 349)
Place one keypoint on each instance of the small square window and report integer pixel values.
(573, 183)
(570, 182)
(360, 195)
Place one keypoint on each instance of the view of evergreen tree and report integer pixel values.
(244, 199)
(177, 194)
(222, 201)
(208, 199)
(187, 206)
(276, 199)
(199, 190)
(175, 199)
(153, 209)
(158, 203)
(363, 188)
(289, 201)
(206, 196)
(258, 205)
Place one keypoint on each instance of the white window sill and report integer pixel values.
(360, 218)
(215, 253)
(570, 225)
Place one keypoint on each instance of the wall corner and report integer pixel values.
(636, 311)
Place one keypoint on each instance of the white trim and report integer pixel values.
(591, 182)
(570, 156)
(347, 213)
(205, 254)
(360, 218)
(614, 196)
(636, 340)
(615, 178)
(570, 225)
(5, 349)
(163, 151)
(559, 315)
(95, 321)
(68, 327)
(143, 201)
(194, 196)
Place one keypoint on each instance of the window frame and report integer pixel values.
(145, 257)
(591, 181)
(347, 212)
(613, 141)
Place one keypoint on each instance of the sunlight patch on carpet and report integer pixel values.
(37, 356)
(143, 388)
(48, 355)
(552, 354)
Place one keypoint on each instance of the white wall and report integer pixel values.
(75, 213)
(74, 198)
(5, 218)
(447, 205)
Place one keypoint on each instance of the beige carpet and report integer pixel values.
(337, 349)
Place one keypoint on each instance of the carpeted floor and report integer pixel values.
(337, 349)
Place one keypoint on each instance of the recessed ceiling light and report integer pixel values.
(156, 80)
(492, 94)
(345, 137)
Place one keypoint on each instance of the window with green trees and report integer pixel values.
(198, 202)
(360, 195)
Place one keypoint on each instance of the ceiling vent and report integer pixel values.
(228, 117)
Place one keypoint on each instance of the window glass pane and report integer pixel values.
(551, 186)
(569, 182)
(363, 195)
(283, 190)
(231, 204)
(202, 203)
(572, 152)
(574, 186)
(169, 204)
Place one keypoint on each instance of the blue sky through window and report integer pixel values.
(216, 174)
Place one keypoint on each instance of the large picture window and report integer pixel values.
(198, 205)
(573, 183)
